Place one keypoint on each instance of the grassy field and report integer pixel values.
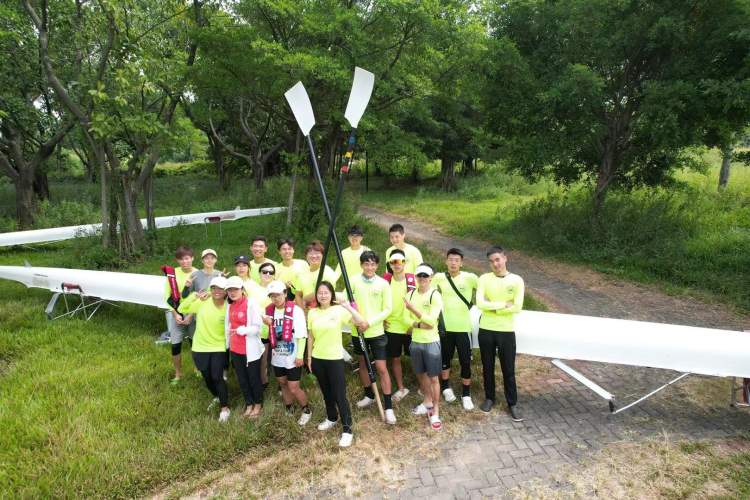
(687, 237)
(86, 408)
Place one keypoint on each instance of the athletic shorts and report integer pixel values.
(398, 343)
(425, 358)
(178, 332)
(291, 374)
(375, 345)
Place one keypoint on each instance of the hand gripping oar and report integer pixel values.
(300, 103)
(359, 97)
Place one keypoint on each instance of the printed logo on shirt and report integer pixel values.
(510, 289)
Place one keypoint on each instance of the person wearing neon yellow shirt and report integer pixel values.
(258, 247)
(352, 252)
(397, 235)
(372, 294)
(179, 326)
(304, 283)
(457, 289)
(500, 297)
(209, 341)
(396, 324)
(289, 267)
(423, 307)
(324, 327)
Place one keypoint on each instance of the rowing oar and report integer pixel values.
(302, 109)
(359, 97)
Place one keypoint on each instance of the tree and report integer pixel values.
(613, 91)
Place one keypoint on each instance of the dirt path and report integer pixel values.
(575, 289)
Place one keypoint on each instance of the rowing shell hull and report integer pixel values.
(69, 232)
(145, 289)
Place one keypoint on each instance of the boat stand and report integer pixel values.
(744, 388)
(213, 220)
(606, 395)
(88, 306)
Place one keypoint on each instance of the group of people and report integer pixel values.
(272, 312)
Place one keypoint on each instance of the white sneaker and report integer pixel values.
(212, 404)
(467, 402)
(346, 440)
(420, 409)
(224, 376)
(304, 418)
(325, 425)
(365, 402)
(390, 417)
(224, 415)
(448, 395)
(400, 394)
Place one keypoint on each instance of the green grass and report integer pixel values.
(686, 237)
(86, 407)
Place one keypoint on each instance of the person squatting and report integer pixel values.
(270, 317)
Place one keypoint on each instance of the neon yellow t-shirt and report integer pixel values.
(374, 302)
(493, 294)
(351, 261)
(287, 274)
(413, 257)
(325, 327)
(305, 281)
(258, 293)
(181, 277)
(209, 323)
(429, 304)
(255, 269)
(455, 312)
(397, 320)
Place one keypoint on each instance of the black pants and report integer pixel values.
(330, 375)
(449, 343)
(504, 343)
(248, 376)
(212, 365)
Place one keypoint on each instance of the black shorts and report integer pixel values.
(398, 343)
(291, 374)
(375, 345)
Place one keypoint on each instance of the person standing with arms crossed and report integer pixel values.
(500, 298)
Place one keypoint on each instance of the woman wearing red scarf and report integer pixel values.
(242, 331)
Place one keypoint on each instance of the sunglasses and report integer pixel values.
(267, 272)
(423, 275)
(397, 261)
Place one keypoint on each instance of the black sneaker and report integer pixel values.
(514, 414)
(487, 405)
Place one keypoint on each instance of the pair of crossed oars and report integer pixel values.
(359, 97)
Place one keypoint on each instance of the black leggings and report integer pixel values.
(504, 344)
(330, 375)
(248, 376)
(212, 365)
(449, 343)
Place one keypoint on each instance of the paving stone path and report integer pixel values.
(565, 422)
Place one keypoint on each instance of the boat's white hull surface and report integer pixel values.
(69, 232)
(703, 351)
(145, 289)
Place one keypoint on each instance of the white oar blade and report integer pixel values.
(359, 96)
(299, 101)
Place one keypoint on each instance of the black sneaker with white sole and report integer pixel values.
(514, 414)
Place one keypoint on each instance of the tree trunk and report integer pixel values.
(726, 164)
(148, 195)
(448, 174)
(25, 201)
(131, 230)
(41, 185)
(217, 155)
(290, 202)
(604, 178)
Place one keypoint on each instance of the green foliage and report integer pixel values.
(65, 213)
(200, 168)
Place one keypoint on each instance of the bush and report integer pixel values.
(200, 168)
(65, 213)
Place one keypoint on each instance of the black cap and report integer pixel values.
(242, 258)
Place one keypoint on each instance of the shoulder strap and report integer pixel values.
(453, 285)
(411, 281)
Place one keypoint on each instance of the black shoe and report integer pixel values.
(514, 414)
(487, 405)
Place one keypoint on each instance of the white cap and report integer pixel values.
(218, 281)
(397, 254)
(423, 269)
(234, 282)
(275, 286)
(209, 251)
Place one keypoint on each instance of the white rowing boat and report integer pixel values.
(69, 232)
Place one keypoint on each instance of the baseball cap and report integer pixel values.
(209, 251)
(275, 286)
(234, 282)
(397, 254)
(423, 269)
(242, 258)
(218, 281)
